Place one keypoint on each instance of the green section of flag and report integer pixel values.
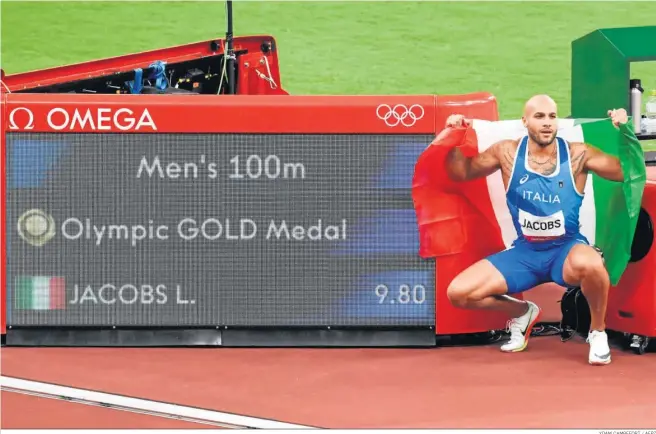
(617, 204)
(23, 291)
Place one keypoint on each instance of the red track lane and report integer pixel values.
(32, 412)
(550, 385)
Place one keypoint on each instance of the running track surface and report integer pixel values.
(548, 386)
(33, 412)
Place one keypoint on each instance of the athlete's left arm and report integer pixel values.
(604, 165)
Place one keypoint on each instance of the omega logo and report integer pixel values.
(28, 125)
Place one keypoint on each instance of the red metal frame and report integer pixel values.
(97, 68)
(632, 302)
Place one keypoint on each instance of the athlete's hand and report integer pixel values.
(618, 116)
(457, 121)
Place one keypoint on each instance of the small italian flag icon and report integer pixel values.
(40, 293)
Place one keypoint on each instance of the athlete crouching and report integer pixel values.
(549, 247)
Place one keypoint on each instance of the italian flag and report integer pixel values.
(608, 215)
(40, 293)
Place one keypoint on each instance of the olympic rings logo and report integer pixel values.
(400, 114)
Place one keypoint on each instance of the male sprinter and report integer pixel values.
(554, 172)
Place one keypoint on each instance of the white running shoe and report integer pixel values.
(520, 329)
(599, 349)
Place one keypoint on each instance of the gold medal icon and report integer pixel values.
(36, 227)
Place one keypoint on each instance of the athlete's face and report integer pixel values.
(541, 121)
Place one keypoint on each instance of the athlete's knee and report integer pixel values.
(474, 284)
(584, 262)
(460, 292)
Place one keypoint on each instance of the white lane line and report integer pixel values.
(110, 400)
(117, 408)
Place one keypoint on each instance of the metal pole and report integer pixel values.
(230, 52)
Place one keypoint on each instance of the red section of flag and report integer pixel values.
(449, 213)
(57, 293)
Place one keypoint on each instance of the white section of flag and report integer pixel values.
(41, 293)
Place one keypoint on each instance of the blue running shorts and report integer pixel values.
(524, 267)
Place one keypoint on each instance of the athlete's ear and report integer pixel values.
(524, 122)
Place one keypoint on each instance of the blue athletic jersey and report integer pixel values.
(544, 208)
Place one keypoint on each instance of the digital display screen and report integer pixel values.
(214, 230)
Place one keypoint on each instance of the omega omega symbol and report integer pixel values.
(400, 114)
(36, 227)
(25, 118)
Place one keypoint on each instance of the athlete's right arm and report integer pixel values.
(461, 168)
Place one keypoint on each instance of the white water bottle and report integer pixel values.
(650, 113)
(636, 104)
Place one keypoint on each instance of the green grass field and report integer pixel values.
(511, 49)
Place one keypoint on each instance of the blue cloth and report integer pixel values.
(136, 85)
(544, 209)
(524, 268)
(158, 74)
(545, 213)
